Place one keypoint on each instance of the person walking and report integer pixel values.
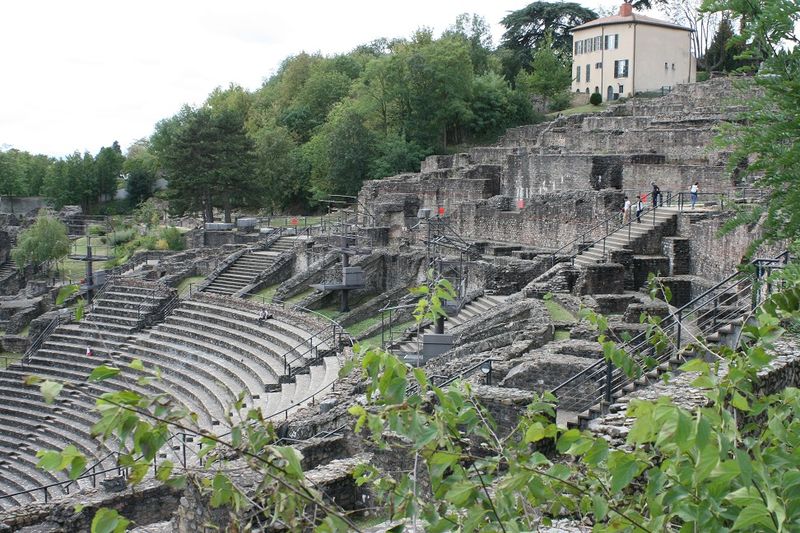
(693, 192)
(639, 209)
(626, 211)
(89, 351)
(656, 194)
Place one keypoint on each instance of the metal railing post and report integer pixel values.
(678, 332)
(609, 370)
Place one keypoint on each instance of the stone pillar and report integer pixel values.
(678, 251)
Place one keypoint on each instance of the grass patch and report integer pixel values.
(25, 331)
(561, 335)
(557, 312)
(360, 327)
(299, 297)
(9, 358)
(375, 340)
(185, 282)
(75, 270)
(329, 313)
(588, 108)
(264, 295)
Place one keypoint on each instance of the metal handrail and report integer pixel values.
(621, 226)
(615, 379)
(91, 472)
(40, 339)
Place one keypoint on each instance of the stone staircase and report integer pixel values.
(7, 269)
(241, 272)
(626, 236)
(246, 268)
(717, 316)
(479, 306)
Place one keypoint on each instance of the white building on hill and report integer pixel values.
(630, 53)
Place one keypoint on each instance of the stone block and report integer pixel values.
(606, 278)
(435, 344)
(678, 251)
(245, 223)
(219, 226)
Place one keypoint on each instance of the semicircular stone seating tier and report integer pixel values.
(209, 350)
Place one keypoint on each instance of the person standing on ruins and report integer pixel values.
(639, 209)
(656, 194)
(626, 211)
(693, 192)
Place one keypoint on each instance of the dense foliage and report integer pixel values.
(42, 244)
(768, 139)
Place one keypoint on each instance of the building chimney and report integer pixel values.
(625, 10)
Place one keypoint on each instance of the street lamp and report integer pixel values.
(486, 368)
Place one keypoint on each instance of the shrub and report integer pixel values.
(174, 238)
(162, 244)
(596, 99)
(95, 230)
(147, 242)
(561, 101)
(121, 236)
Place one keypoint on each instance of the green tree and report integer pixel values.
(107, 170)
(208, 159)
(724, 50)
(72, 181)
(495, 106)
(527, 29)
(550, 75)
(140, 169)
(12, 175)
(768, 137)
(43, 243)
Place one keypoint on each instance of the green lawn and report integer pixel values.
(184, 284)
(375, 340)
(297, 298)
(557, 312)
(330, 312)
(360, 327)
(588, 108)
(9, 358)
(264, 295)
(561, 335)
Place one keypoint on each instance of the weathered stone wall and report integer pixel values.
(549, 220)
(676, 178)
(506, 405)
(148, 503)
(716, 256)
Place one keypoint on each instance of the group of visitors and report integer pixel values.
(657, 201)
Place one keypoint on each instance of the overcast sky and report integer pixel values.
(80, 75)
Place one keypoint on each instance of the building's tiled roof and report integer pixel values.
(634, 18)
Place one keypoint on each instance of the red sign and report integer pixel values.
(441, 211)
(520, 204)
(294, 221)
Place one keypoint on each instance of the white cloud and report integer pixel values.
(79, 75)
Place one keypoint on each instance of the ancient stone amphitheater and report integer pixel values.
(528, 231)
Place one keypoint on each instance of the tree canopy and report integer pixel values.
(43, 243)
(528, 28)
(768, 137)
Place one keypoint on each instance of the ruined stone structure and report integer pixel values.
(528, 231)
